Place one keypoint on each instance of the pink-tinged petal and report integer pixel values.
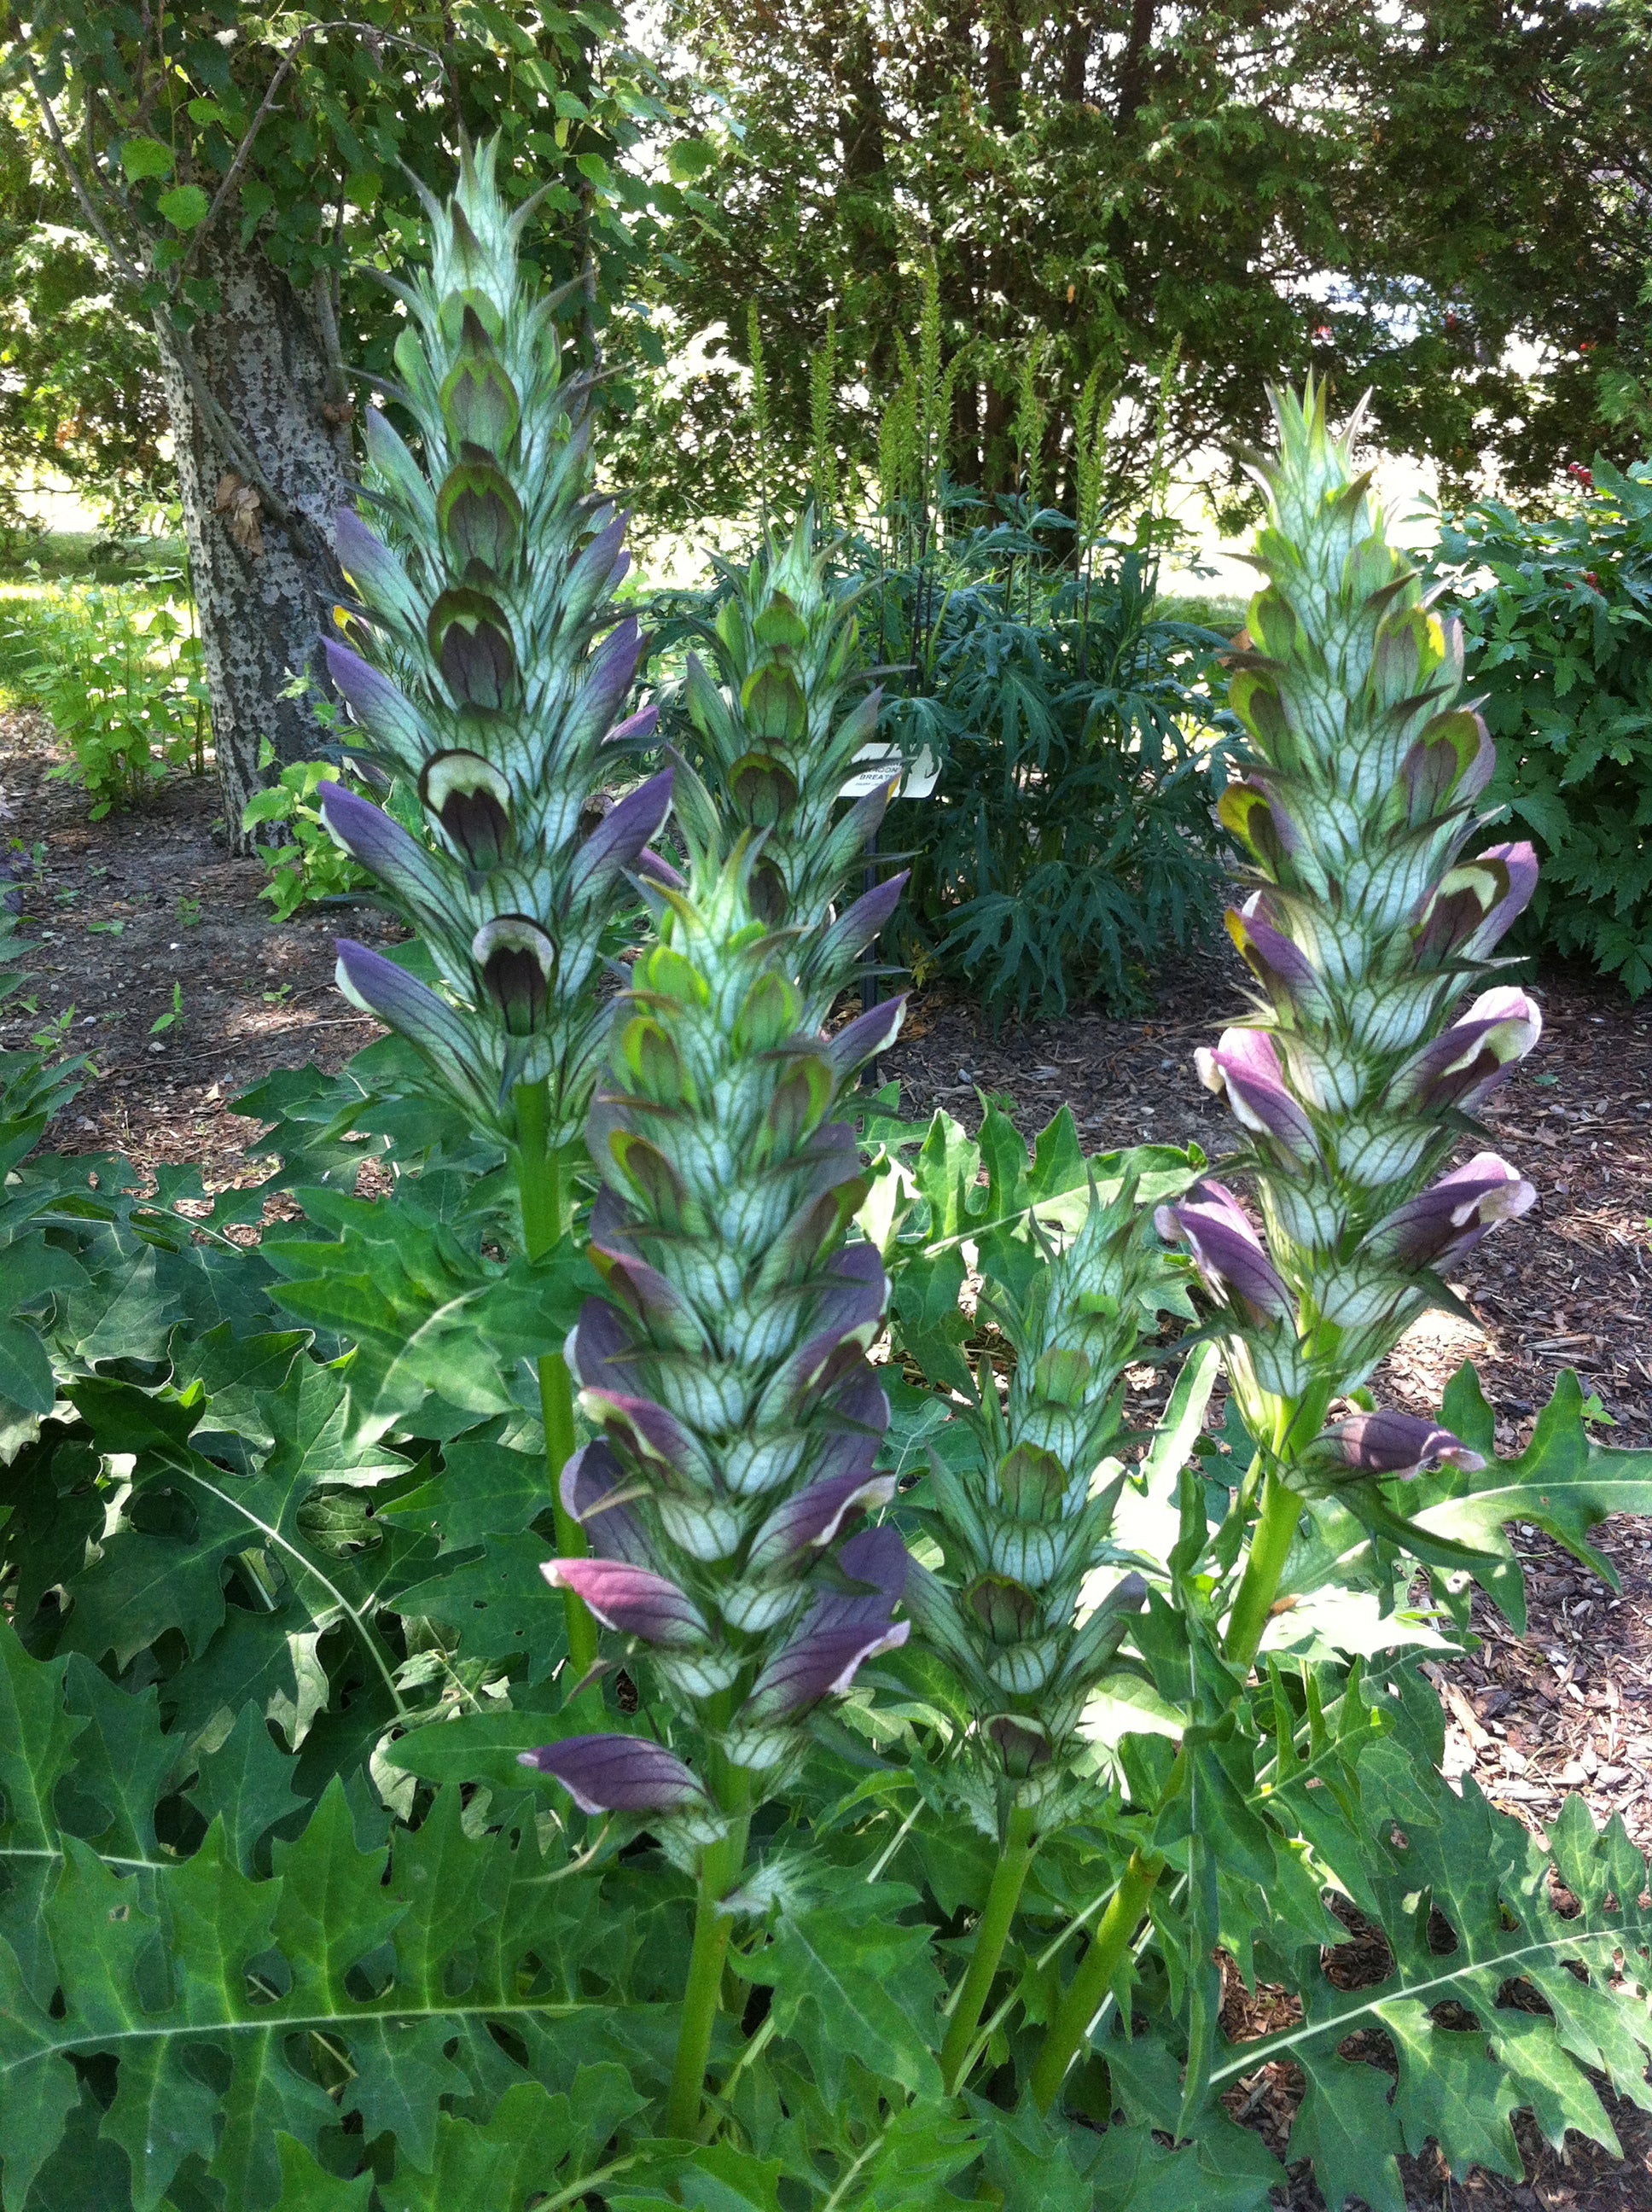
(854, 1303)
(877, 1557)
(596, 1494)
(1397, 1443)
(1450, 1218)
(648, 1432)
(616, 843)
(618, 1774)
(818, 1663)
(1227, 1251)
(1282, 968)
(859, 1404)
(647, 1297)
(864, 1037)
(1465, 1063)
(1246, 1064)
(632, 1600)
(603, 1349)
(1434, 772)
(815, 1514)
(1478, 903)
(1519, 862)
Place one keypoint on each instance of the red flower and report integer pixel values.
(1581, 475)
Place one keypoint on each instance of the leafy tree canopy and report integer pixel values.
(1449, 203)
(303, 132)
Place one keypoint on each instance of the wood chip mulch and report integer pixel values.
(120, 911)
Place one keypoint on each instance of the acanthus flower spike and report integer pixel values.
(725, 1364)
(496, 677)
(1368, 921)
(776, 733)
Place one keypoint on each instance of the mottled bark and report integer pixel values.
(265, 586)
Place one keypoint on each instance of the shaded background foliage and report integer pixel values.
(1393, 199)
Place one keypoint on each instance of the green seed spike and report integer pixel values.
(775, 734)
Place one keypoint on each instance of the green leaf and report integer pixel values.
(689, 158)
(185, 206)
(1414, 1849)
(25, 1376)
(850, 1979)
(531, 2144)
(37, 1736)
(247, 1784)
(1563, 1482)
(195, 1983)
(145, 157)
(307, 2186)
(480, 1747)
(1345, 2124)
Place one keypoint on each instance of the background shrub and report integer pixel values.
(118, 669)
(306, 865)
(1070, 843)
(1557, 615)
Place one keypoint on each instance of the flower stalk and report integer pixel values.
(720, 1865)
(738, 1419)
(992, 1934)
(544, 1224)
(1095, 1976)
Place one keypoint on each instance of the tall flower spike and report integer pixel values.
(1021, 1519)
(1364, 929)
(496, 678)
(725, 1367)
(777, 737)
(738, 1419)
(1024, 1518)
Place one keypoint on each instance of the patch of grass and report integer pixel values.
(1219, 612)
(87, 556)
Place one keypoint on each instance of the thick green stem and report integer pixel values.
(1097, 1972)
(1258, 1586)
(992, 1934)
(1276, 1529)
(719, 1869)
(544, 1223)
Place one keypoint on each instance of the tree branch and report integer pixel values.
(1132, 65)
(243, 154)
(128, 273)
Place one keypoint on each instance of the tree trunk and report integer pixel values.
(265, 586)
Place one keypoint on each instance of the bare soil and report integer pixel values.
(122, 910)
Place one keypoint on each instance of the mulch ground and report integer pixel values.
(122, 910)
